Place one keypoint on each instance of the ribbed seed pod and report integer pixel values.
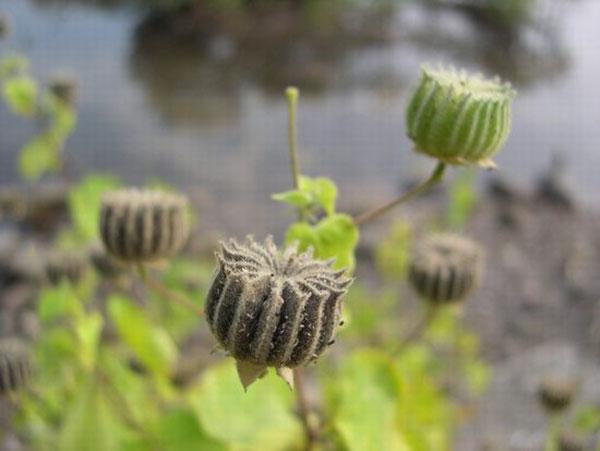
(143, 225)
(64, 88)
(459, 119)
(444, 268)
(556, 394)
(15, 367)
(273, 309)
(65, 265)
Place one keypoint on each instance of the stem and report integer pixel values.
(552, 433)
(164, 292)
(292, 100)
(417, 331)
(434, 178)
(312, 434)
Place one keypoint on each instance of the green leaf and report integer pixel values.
(90, 423)
(152, 346)
(333, 236)
(261, 419)
(38, 157)
(323, 190)
(88, 330)
(179, 430)
(84, 203)
(298, 199)
(20, 94)
(56, 302)
(587, 419)
(363, 402)
(12, 65)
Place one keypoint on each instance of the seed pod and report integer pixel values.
(556, 394)
(143, 225)
(459, 119)
(64, 88)
(65, 265)
(571, 441)
(272, 309)
(444, 268)
(15, 367)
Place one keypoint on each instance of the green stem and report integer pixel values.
(292, 95)
(434, 178)
(552, 433)
(165, 293)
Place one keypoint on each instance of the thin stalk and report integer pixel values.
(292, 95)
(164, 292)
(312, 434)
(552, 433)
(419, 328)
(434, 178)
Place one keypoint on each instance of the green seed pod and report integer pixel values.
(444, 268)
(459, 119)
(272, 309)
(15, 366)
(143, 225)
(556, 394)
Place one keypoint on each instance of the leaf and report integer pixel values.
(298, 199)
(88, 330)
(179, 430)
(84, 203)
(20, 94)
(13, 65)
(323, 190)
(90, 423)
(362, 399)
(152, 346)
(56, 302)
(333, 236)
(260, 419)
(38, 157)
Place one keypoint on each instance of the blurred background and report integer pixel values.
(191, 92)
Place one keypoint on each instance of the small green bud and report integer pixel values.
(444, 268)
(15, 366)
(459, 119)
(273, 309)
(143, 225)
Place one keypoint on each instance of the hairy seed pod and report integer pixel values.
(459, 119)
(15, 367)
(571, 441)
(444, 268)
(64, 88)
(273, 309)
(65, 266)
(556, 394)
(143, 225)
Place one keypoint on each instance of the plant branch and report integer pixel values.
(434, 178)
(164, 292)
(292, 100)
(312, 434)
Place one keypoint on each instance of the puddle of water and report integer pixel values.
(208, 118)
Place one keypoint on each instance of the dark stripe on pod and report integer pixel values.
(228, 304)
(285, 335)
(331, 318)
(307, 331)
(105, 220)
(156, 232)
(214, 294)
(250, 314)
(436, 282)
(121, 232)
(138, 236)
(451, 284)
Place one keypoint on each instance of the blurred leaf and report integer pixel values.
(12, 65)
(152, 346)
(88, 330)
(323, 191)
(58, 301)
(363, 397)
(180, 431)
(20, 94)
(90, 424)
(333, 236)
(392, 253)
(462, 199)
(260, 419)
(298, 199)
(84, 203)
(587, 419)
(38, 157)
